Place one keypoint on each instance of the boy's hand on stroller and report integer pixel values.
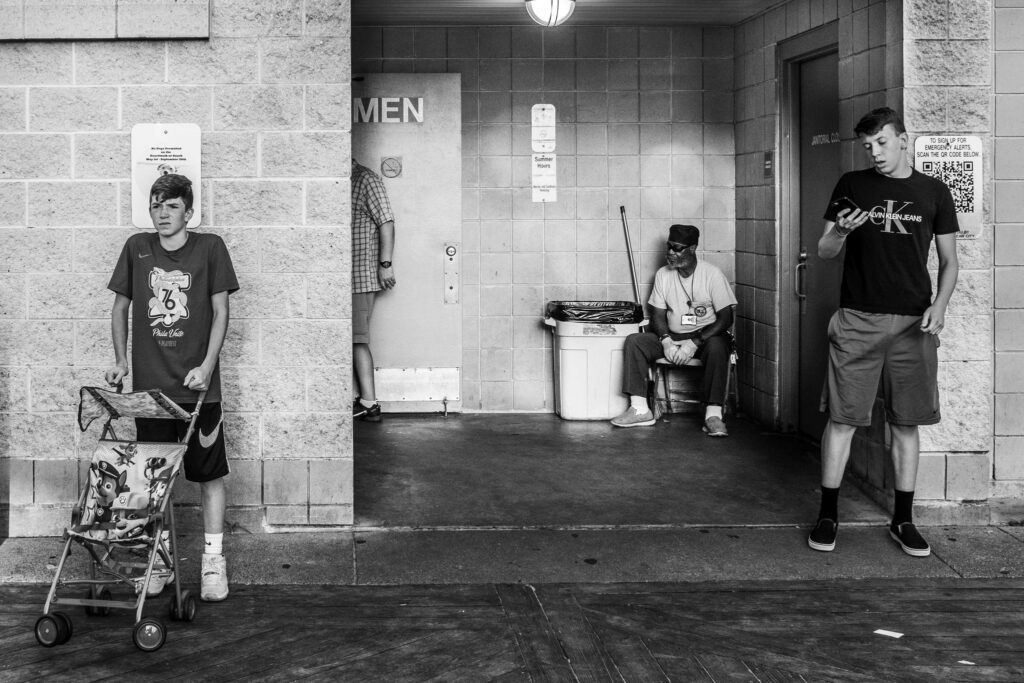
(196, 379)
(116, 375)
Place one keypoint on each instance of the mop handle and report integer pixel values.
(629, 251)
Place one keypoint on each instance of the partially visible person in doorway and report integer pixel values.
(691, 311)
(373, 243)
(888, 323)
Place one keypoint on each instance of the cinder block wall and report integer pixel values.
(947, 81)
(644, 121)
(1008, 37)
(270, 90)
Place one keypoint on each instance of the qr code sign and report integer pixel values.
(959, 177)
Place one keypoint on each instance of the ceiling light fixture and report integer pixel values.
(550, 12)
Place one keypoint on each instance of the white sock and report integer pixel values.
(713, 411)
(639, 404)
(367, 404)
(214, 544)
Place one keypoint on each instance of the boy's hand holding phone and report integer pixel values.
(849, 216)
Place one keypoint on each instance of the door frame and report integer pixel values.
(791, 53)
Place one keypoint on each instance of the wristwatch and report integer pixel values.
(385, 264)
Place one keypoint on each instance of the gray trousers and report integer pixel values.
(642, 350)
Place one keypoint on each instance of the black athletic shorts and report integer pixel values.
(206, 458)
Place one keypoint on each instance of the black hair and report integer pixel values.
(877, 119)
(170, 186)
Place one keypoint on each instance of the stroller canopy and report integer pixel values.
(95, 402)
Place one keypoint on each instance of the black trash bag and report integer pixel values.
(609, 312)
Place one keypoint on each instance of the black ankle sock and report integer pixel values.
(903, 509)
(829, 504)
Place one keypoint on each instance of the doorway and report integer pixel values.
(811, 165)
(407, 128)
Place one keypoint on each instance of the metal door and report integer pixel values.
(408, 129)
(817, 281)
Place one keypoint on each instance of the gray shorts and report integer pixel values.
(867, 347)
(362, 310)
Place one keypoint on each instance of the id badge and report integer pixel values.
(688, 319)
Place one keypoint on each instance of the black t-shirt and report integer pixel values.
(171, 311)
(886, 265)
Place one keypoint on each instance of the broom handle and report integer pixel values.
(629, 251)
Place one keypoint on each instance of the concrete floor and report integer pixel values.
(529, 471)
(535, 499)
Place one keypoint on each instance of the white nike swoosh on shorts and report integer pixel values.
(208, 440)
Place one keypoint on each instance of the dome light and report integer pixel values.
(550, 12)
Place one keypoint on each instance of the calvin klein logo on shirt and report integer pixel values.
(891, 219)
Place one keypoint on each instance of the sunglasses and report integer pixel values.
(678, 248)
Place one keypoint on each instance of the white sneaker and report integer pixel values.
(160, 577)
(632, 418)
(214, 578)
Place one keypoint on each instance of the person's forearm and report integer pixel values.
(119, 336)
(218, 331)
(948, 275)
(831, 243)
(387, 240)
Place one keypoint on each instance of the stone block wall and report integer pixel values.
(644, 120)
(1008, 224)
(270, 90)
(947, 86)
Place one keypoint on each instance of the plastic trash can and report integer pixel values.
(588, 338)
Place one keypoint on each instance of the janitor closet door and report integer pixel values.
(407, 128)
(812, 164)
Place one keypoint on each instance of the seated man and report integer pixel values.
(691, 314)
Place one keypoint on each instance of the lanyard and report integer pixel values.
(682, 283)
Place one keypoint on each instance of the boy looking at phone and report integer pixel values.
(888, 322)
(176, 284)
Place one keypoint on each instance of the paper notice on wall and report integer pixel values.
(956, 161)
(159, 149)
(542, 117)
(545, 174)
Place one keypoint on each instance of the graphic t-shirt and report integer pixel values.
(691, 303)
(171, 310)
(885, 269)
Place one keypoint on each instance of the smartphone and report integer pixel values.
(842, 204)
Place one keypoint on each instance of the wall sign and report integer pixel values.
(387, 110)
(542, 117)
(159, 149)
(956, 161)
(545, 186)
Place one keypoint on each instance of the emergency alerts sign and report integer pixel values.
(957, 161)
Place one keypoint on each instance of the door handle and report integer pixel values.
(798, 275)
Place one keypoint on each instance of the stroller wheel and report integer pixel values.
(68, 628)
(188, 607)
(53, 629)
(149, 634)
(98, 610)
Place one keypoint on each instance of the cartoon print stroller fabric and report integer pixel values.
(128, 482)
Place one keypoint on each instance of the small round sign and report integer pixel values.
(391, 167)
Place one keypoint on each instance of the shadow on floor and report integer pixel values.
(537, 470)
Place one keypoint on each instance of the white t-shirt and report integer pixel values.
(707, 292)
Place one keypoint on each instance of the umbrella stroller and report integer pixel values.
(124, 519)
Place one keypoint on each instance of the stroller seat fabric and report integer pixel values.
(127, 484)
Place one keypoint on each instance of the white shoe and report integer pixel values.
(160, 577)
(632, 418)
(214, 578)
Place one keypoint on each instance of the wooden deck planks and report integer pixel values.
(784, 631)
